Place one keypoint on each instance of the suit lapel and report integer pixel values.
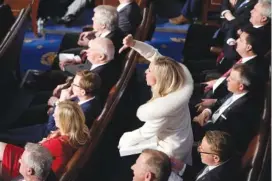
(233, 105)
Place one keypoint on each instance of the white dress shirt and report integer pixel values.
(224, 106)
(121, 6)
(96, 65)
(209, 168)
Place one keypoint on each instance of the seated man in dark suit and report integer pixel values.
(259, 22)
(35, 163)
(105, 24)
(129, 16)
(6, 19)
(237, 113)
(234, 14)
(216, 151)
(249, 46)
(83, 91)
(100, 59)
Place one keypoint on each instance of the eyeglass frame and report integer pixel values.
(73, 84)
(199, 145)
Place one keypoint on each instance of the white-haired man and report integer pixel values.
(105, 24)
(35, 163)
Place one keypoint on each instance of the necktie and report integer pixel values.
(221, 109)
(243, 3)
(206, 170)
(226, 74)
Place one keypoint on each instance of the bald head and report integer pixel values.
(100, 49)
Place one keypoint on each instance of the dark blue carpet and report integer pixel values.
(38, 53)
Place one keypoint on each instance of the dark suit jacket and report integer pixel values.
(264, 33)
(129, 18)
(6, 20)
(240, 119)
(116, 36)
(225, 172)
(256, 64)
(108, 73)
(241, 14)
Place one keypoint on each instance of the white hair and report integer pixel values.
(266, 8)
(105, 46)
(39, 159)
(107, 15)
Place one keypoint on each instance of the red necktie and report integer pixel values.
(226, 74)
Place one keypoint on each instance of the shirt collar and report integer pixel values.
(245, 59)
(214, 166)
(103, 35)
(97, 65)
(257, 26)
(237, 96)
(82, 102)
(121, 6)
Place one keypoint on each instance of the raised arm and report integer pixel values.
(147, 51)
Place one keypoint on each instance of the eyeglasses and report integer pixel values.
(75, 85)
(203, 152)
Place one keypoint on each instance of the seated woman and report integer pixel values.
(166, 115)
(72, 133)
(82, 91)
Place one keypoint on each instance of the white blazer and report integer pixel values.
(168, 118)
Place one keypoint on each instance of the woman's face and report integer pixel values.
(56, 116)
(150, 76)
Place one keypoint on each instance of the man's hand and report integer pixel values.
(128, 41)
(209, 85)
(84, 38)
(228, 15)
(57, 90)
(50, 111)
(205, 104)
(66, 94)
(52, 100)
(202, 118)
(233, 3)
(62, 64)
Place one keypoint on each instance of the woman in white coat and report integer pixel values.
(166, 114)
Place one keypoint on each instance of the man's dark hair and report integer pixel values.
(159, 164)
(221, 143)
(255, 39)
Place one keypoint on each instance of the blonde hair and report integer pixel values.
(72, 123)
(169, 77)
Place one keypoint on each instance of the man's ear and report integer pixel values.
(102, 57)
(241, 87)
(30, 171)
(216, 158)
(249, 47)
(264, 19)
(148, 176)
(83, 92)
